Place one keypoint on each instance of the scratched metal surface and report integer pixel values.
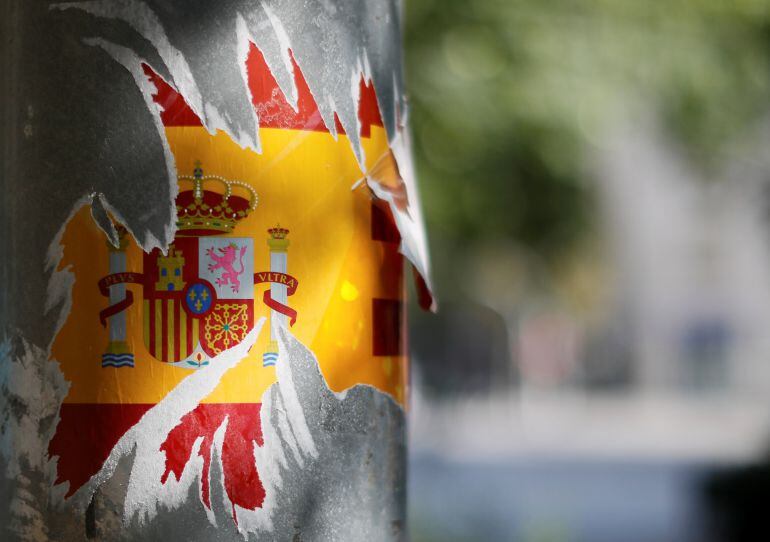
(77, 129)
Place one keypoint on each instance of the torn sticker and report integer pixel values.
(211, 192)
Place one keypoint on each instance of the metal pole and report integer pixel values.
(164, 373)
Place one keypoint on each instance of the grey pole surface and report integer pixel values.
(82, 132)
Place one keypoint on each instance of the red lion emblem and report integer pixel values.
(226, 262)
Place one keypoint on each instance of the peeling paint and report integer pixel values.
(337, 448)
(89, 133)
(145, 491)
(31, 390)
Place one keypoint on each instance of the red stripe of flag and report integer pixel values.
(177, 321)
(190, 322)
(164, 329)
(152, 346)
(86, 434)
(273, 110)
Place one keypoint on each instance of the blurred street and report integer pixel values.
(574, 468)
(553, 500)
(597, 194)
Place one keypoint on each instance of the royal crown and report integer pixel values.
(278, 232)
(206, 212)
(277, 240)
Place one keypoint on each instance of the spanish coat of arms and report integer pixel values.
(198, 297)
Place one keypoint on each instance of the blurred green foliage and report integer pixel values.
(510, 97)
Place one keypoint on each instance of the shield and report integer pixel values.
(198, 298)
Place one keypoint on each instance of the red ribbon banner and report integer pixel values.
(104, 288)
(291, 287)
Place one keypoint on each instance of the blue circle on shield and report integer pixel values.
(199, 298)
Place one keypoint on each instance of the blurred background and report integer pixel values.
(596, 187)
